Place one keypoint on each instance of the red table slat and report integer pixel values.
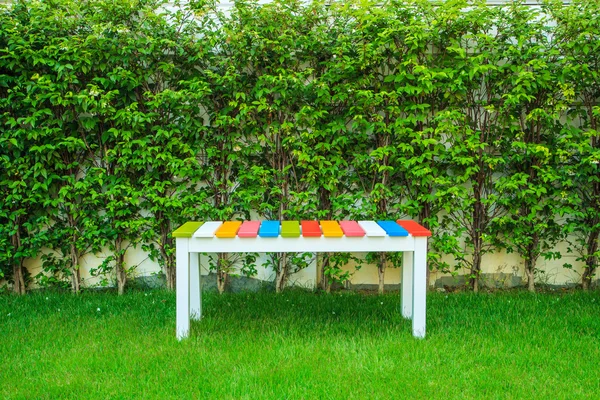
(311, 229)
(414, 228)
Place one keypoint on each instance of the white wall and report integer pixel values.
(553, 272)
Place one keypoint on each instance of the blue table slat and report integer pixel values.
(269, 229)
(392, 228)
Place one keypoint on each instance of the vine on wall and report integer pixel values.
(121, 121)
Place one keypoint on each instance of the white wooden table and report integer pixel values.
(192, 239)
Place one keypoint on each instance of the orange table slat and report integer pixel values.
(228, 230)
(331, 229)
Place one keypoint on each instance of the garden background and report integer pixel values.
(121, 120)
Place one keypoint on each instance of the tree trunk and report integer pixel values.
(222, 272)
(76, 280)
(328, 286)
(325, 283)
(19, 278)
(381, 272)
(328, 280)
(75, 274)
(476, 232)
(530, 262)
(169, 260)
(591, 262)
(424, 216)
(321, 276)
(120, 267)
(475, 269)
(170, 269)
(282, 273)
(586, 278)
(529, 271)
(170, 273)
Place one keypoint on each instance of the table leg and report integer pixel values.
(419, 287)
(182, 262)
(407, 282)
(195, 287)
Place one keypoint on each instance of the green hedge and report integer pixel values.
(121, 120)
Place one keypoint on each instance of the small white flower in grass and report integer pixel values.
(98, 309)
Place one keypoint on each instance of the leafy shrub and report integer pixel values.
(119, 121)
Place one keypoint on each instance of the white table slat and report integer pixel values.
(208, 229)
(372, 228)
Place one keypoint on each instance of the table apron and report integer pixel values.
(301, 244)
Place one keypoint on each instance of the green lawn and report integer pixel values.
(300, 346)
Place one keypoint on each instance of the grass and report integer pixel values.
(300, 345)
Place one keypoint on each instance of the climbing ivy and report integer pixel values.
(578, 38)
(119, 121)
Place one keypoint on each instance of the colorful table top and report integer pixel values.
(294, 229)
